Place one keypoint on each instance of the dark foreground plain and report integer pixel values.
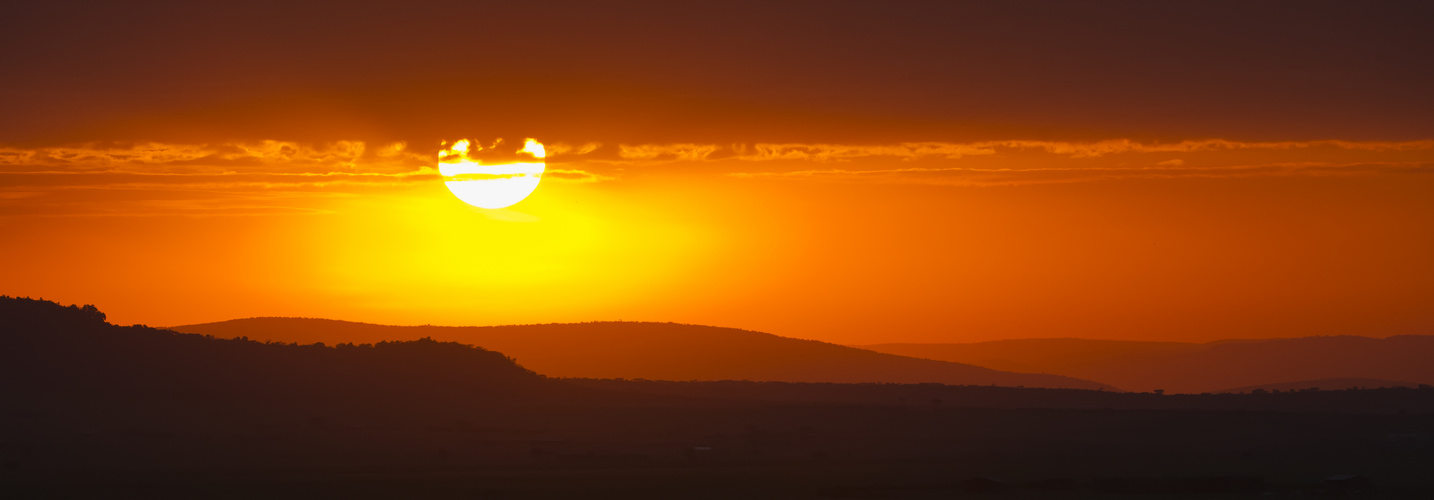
(96, 410)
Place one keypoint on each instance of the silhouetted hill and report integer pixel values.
(663, 351)
(47, 349)
(1329, 384)
(1195, 368)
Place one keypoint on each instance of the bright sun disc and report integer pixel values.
(491, 184)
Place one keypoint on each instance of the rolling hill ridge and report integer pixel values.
(659, 351)
(1196, 368)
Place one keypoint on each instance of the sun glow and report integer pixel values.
(491, 183)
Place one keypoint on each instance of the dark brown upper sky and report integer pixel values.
(716, 71)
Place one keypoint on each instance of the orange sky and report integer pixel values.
(837, 171)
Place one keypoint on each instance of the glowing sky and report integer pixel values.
(844, 171)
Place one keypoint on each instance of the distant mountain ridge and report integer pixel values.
(659, 351)
(1195, 368)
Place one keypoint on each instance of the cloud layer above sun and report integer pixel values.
(287, 169)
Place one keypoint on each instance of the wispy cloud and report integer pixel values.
(31, 178)
(151, 157)
(960, 176)
(820, 152)
(258, 178)
(668, 152)
(181, 163)
(575, 175)
(1033, 162)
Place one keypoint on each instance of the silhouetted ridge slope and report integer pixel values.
(1195, 368)
(664, 351)
(46, 348)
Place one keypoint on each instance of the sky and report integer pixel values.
(853, 172)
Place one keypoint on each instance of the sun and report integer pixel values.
(497, 181)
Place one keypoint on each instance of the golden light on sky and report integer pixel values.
(491, 184)
(846, 242)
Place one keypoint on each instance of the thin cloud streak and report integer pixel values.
(263, 178)
(347, 168)
(338, 154)
(915, 150)
(959, 176)
(356, 157)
